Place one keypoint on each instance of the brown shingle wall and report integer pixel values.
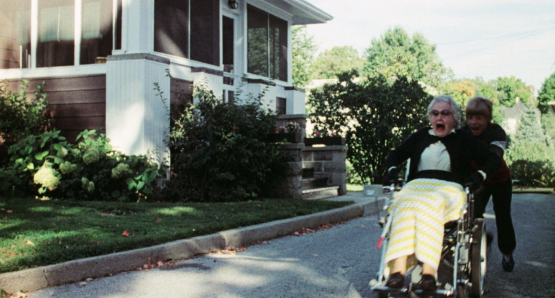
(76, 103)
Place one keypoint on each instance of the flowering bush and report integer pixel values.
(47, 177)
(292, 127)
(321, 134)
(47, 164)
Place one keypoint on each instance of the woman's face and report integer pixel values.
(442, 118)
(477, 123)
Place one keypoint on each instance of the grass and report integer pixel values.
(36, 233)
(354, 187)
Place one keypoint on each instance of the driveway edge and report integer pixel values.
(105, 265)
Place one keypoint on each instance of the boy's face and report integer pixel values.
(477, 123)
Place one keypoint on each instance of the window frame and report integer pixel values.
(34, 62)
(274, 12)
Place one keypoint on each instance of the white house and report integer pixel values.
(101, 59)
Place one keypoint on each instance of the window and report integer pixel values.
(15, 39)
(56, 37)
(97, 36)
(228, 44)
(266, 44)
(56, 46)
(171, 27)
(173, 21)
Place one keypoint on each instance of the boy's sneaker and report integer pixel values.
(508, 262)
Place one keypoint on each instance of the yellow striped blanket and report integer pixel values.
(419, 211)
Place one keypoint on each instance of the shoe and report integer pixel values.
(428, 283)
(508, 262)
(395, 280)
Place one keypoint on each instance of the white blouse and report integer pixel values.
(436, 157)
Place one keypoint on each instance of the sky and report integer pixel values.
(475, 38)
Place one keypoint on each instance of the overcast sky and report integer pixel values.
(486, 38)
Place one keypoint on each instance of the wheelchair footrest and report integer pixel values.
(419, 292)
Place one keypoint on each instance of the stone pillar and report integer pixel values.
(328, 161)
(290, 184)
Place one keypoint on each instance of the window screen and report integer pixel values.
(96, 38)
(267, 44)
(205, 31)
(257, 41)
(56, 42)
(15, 36)
(171, 27)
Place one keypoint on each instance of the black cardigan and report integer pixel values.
(462, 146)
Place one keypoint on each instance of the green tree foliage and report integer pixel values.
(304, 50)
(531, 156)
(510, 88)
(396, 54)
(373, 115)
(461, 91)
(548, 124)
(337, 60)
(220, 151)
(546, 94)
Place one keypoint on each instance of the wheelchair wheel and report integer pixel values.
(478, 258)
(462, 291)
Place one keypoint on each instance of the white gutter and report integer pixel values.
(316, 14)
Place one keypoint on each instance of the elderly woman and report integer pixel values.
(441, 163)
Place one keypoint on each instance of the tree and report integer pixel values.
(396, 54)
(373, 115)
(531, 157)
(546, 94)
(304, 50)
(335, 61)
(461, 91)
(511, 88)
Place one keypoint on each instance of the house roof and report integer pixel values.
(303, 12)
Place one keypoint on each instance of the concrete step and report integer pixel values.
(308, 173)
(320, 193)
(309, 183)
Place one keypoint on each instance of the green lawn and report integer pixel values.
(355, 187)
(36, 233)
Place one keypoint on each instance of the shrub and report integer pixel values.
(19, 116)
(46, 164)
(530, 156)
(534, 173)
(220, 151)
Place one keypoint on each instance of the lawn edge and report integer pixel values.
(95, 267)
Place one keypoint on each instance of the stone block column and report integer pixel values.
(328, 161)
(290, 184)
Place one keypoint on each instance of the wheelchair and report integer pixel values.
(463, 260)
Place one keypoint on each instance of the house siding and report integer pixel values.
(76, 103)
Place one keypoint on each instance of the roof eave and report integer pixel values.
(306, 13)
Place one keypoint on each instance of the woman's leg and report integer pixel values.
(400, 265)
(427, 269)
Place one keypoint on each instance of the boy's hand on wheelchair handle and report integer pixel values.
(474, 181)
(392, 176)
